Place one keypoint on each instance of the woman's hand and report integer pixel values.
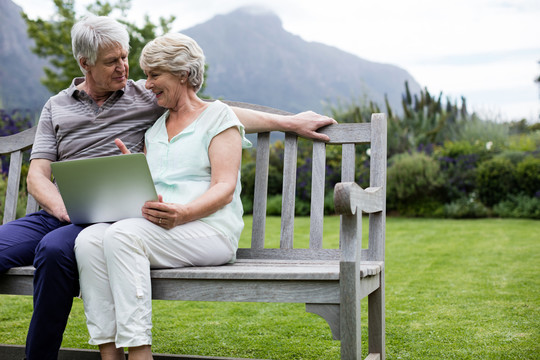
(307, 123)
(166, 215)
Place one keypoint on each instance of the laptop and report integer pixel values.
(104, 189)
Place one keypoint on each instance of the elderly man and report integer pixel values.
(81, 122)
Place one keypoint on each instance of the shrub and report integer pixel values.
(513, 155)
(523, 142)
(247, 180)
(303, 179)
(465, 208)
(302, 207)
(455, 149)
(414, 184)
(477, 131)
(495, 180)
(458, 162)
(528, 176)
(329, 204)
(12, 122)
(460, 176)
(273, 205)
(518, 206)
(247, 204)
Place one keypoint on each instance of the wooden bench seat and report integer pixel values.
(331, 282)
(18, 281)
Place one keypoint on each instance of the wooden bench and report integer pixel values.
(331, 282)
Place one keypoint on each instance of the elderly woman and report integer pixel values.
(194, 154)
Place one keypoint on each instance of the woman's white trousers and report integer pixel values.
(114, 263)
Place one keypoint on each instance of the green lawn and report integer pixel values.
(455, 289)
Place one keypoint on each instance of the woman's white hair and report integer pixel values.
(94, 32)
(175, 53)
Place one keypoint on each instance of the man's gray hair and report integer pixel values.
(175, 53)
(94, 32)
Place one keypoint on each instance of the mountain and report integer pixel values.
(252, 58)
(20, 69)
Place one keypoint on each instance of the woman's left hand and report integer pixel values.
(166, 215)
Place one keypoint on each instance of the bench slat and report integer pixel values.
(12, 191)
(289, 254)
(348, 158)
(256, 271)
(284, 291)
(317, 195)
(260, 191)
(289, 191)
(20, 141)
(348, 133)
(249, 270)
(377, 221)
(31, 205)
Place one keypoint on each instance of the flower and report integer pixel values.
(489, 145)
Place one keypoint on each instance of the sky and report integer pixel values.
(485, 50)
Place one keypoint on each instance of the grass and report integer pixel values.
(455, 289)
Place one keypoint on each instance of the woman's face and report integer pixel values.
(166, 86)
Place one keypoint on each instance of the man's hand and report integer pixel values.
(44, 191)
(61, 214)
(123, 148)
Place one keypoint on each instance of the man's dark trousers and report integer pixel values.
(42, 240)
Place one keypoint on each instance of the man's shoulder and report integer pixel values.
(137, 89)
(66, 93)
(136, 85)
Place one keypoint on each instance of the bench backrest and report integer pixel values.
(13, 146)
(346, 135)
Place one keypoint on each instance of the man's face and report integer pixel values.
(111, 70)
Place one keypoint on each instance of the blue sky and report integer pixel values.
(485, 50)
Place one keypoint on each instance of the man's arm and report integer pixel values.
(44, 191)
(304, 124)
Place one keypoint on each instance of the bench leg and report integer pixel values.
(351, 344)
(376, 320)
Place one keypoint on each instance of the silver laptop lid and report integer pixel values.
(104, 189)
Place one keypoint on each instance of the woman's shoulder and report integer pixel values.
(221, 111)
(224, 118)
(218, 105)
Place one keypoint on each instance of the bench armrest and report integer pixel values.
(349, 196)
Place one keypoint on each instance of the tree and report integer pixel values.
(53, 39)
